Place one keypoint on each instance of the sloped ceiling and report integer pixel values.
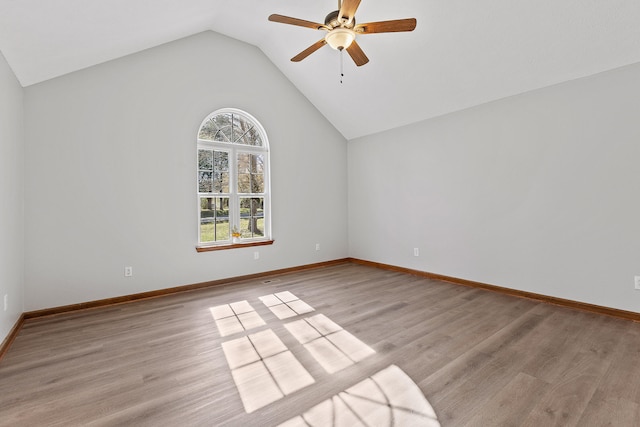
(462, 53)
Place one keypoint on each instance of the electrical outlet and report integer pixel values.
(317, 246)
(128, 271)
(638, 282)
(256, 255)
(6, 302)
(416, 252)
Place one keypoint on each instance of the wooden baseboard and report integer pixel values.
(623, 314)
(6, 343)
(4, 347)
(168, 291)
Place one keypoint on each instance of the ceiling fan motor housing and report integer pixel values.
(332, 21)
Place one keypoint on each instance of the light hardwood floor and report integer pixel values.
(479, 357)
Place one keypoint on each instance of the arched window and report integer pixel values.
(233, 181)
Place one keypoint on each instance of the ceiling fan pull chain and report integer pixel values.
(341, 66)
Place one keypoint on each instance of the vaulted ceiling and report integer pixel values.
(462, 53)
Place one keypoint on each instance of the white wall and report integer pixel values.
(11, 198)
(111, 174)
(539, 192)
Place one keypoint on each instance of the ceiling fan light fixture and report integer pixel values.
(340, 38)
(341, 29)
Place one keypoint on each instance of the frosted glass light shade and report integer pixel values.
(340, 38)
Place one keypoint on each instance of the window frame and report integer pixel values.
(234, 149)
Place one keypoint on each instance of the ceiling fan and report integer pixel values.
(342, 30)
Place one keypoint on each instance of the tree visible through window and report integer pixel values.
(233, 179)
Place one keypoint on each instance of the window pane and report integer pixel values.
(250, 173)
(257, 171)
(241, 130)
(221, 176)
(244, 132)
(257, 204)
(238, 127)
(247, 134)
(207, 213)
(207, 231)
(207, 207)
(205, 182)
(221, 182)
(244, 163)
(205, 160)
(214, 219)
(254, 137)
(244, 167)
(244, 183)
(207, 130)
(224, 127)
(257, 163)
(221, 161)
(257, 184)
(222, 230)
(252, 216)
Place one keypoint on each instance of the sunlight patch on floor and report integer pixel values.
(263, 369)
(387, 398)
(285, 305)
(235, 317)
(330, 345)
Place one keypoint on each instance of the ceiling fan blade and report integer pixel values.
(356, 53)
(295, 21)
(348, 8)
(397, 25)
(308, 51)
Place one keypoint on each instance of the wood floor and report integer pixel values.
(480, 358)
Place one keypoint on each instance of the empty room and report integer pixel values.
(328, 213)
